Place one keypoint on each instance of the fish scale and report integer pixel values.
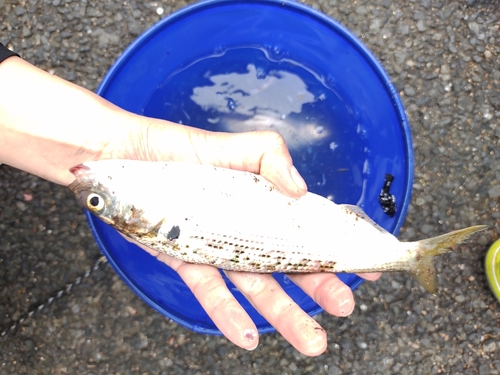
(239, 221)
(238, 254)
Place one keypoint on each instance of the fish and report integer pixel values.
(237, 220)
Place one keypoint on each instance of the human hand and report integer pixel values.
(264, 153)
(67, 125)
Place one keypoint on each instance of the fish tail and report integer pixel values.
(423, 269)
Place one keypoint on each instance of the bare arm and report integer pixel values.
(48, 125)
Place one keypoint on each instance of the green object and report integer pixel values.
(492, 266)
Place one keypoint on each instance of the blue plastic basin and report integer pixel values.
(353, 130)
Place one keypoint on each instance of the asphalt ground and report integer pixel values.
(443, 57)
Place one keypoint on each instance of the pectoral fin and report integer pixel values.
(155, 230)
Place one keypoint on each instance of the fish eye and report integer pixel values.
(95, 202)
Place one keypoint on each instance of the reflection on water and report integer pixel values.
(242, 89)
(278, 92)
(252, 101)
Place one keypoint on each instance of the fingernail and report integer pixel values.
(297, 179)
(250, 335)
(345, 302)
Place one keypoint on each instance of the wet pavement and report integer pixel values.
(443, 57)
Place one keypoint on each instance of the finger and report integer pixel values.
(210, 289)
(328, 291)
(271, 301)
(262, 152)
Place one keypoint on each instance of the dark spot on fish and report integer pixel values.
(174, 233)
(327, 267)
(255, 179)
(386, 199)
(213, 246)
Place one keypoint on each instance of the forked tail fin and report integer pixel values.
(423, 269)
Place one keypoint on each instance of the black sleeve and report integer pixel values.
(5, 52)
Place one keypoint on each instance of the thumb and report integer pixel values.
(262, 152)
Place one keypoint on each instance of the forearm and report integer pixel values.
(48, 125)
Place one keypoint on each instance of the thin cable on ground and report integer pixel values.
(17, 323)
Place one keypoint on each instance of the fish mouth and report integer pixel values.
(81, 183)
(79, 170)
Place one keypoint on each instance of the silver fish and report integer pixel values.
(238, 221)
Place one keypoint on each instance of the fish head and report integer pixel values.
(104, 192)
(91, 194)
